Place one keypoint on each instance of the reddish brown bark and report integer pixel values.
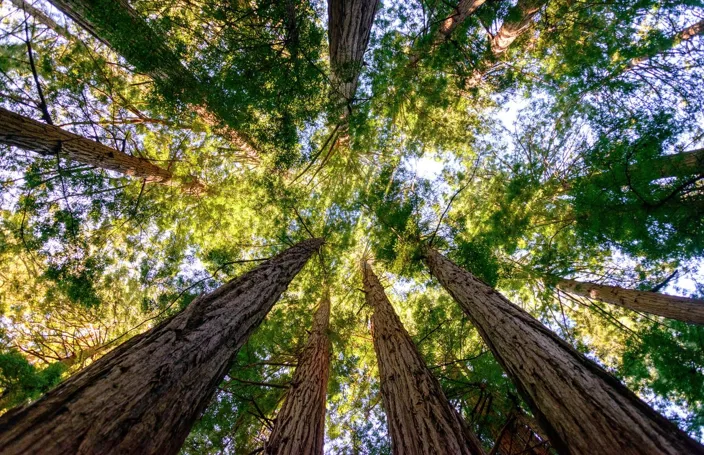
(420, 419)
(144, 396)
(511, 29)
(465, 8)
(668, 306)
(300, 424)
(581, 408)
(30, 134)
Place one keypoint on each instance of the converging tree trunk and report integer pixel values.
(518, 22)
(120, 27)
(299, 427)
(581, 408)
(349, 28)
(519, 437)
(29, 134)
(144, 396)
(668, 306)
(420, 419)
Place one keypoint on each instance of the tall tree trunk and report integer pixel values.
(668, 306)
(464, 9)
(420, 419)
(120, 27)
(41, 17)
(517, 23)
(144, 396)
(519, 437)
(300, 424)
(349, 28)
(675, 165)
(581, 408)
(30, 134)
(683, 35)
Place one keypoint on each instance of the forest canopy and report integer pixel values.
(427, 172)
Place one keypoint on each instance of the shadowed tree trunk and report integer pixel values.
(30, 134)
(144, 396)
(349, 28)
(120, 27)
(581, 408)
(519, 437)
(299, 427)
(517, 23)
(464, 9)
(675, 165)
(420, 419)
(668, 306)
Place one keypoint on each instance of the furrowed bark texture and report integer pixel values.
(300, 424)
(349, 28)
(30, 134)
(581, 408)
(518, 437)
(420, 419)
(144, 396)
(668, 306)
(511, 29)
(120, 27)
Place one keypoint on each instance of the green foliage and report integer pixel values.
(20, 381)
(667, 361)
(542, 163)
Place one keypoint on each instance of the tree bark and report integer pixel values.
(683, 35)
(29, 134)
(525, 11)
(519, 437)
(420, 419)
(144, 396)
(464, 9)
(668, 306)
(41, 17)
(349, 28)
(120, 27)
(581, 408)
(299, 427)
(674, 165)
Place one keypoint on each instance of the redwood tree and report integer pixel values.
(581, 408)
(668, 306)
(519, 21)
(30, 134)
(300, 424)
(144, 396)
(420, 419)
(349, 29)
(122, 28)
